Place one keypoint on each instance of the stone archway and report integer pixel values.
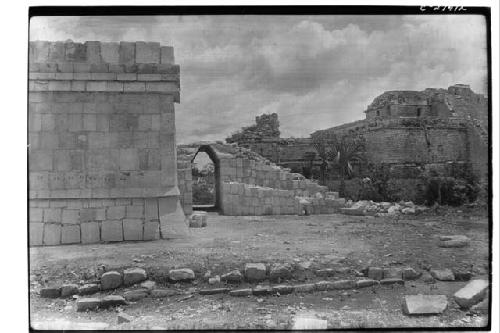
(217, 186)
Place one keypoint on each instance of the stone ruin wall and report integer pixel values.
(252, 185)
(102, 152)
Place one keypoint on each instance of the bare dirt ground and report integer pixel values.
(345, 243)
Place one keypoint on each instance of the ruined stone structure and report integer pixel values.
(248, 184)
(102, 151)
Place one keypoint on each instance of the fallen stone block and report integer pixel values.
(69, 290)
(123, 318)
(111, 280)
(453, 241)
(241, 292)
(462, 275)
(424, 304)
(325, 272)
(375, 273)
(262, 290)
(443, 274)
(392, 281)
(214, 280)
(134, 275)
(410, 274)
(234, 276)
(148, 285)
(198, 220)
(472, 293)
(183, 274)
(112, 300)
(343, 284)
(306, 323)
(255, 272)
(135, 295)
(283, 289)
(162, 293)
(280, 271)
(366, 283)
(323, 285)
(304, 288)
(88, 289)
(427, 277)
(214, 291)
(392, 273)
(50, 292)
(408, 211)
(84, 304)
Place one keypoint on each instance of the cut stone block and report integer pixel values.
(280, 271)
(410, 274)
(283, 289)
(135, 295)
(375, 273)
(148, 285)
(392, 281)
(198, 220)
(255, 271)
(111, 280)
(88, 289)
(262, 290)
(425, 304)
(151, 231)
(443, 274)
(183, 274)
(234, 276)
(344, 284)
(366, 283)
(454, 241)
(304, 288)
(69, 290)
(162, 293)
(84, 304)
(36, 234)
(112, 231)
(90, 232)
(167, 55)
(324, 285)
(50, 292)
(392, 273)
(147, 53)
(70, 234)
(134, 275)
(214, 291)
(241, 292)
(132, 229)
(472, 293)
(112, 300)
(151, 209)
(52, 234)
(115, 213)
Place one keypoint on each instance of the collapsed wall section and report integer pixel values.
(102, 157)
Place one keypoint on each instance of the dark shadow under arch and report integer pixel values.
(215, 159)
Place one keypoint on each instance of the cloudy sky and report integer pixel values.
(314, 71)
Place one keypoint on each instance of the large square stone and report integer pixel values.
(52, 234)
(151, 209)
(36, 234)
(132, 229)
(71, 216)
(90, 232)
(151, 231)
(112, 231)
(147, 52)
(70, 234)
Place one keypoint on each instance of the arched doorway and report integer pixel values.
(208, 167)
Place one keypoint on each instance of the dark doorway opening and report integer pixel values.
(206, 180)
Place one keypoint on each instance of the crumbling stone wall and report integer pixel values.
(102, 157)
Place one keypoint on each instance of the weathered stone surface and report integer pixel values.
(50, 292)
(344, 284)
(124, 318)
(70, 234)
(135, 295)
(132, 229)
(89, 232)
(283, 289)
(307, 323)
(280, 271)
(410, 274)
(481, 307)
(241, 292)
(442, 274)
(84, 304)
(366, 283)
(214, 291)
(183, 274)
(111, 280)
(472, 293)
(148, 285)
(375, 273)
(324, 285)
(453, 241)
(392, 273)
(162, 293)
(112, 300)
(69, 290)
(88, 289)
(304, 288)
(52, 234)
(36, 234)
(424, 304)
(262, 290)
(112, 231)
(392, 281)
(427, 277)
(255, 271)
(234, 276)
(134, 275)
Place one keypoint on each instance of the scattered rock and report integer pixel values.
(375, 273)
(280, 271)
(234, 276)
(198, 219)
(462, 275)
(393, 210)
(214, 280)
(50, 292)
(88, 289)
(283, 289)
(69, 290)
(135, 295)
(183, 274)
(443, 274)
(123, 318)
(472, 293)
(111, 280)
(214, 291)
(427, 277)
(134, 275)
(408, 211)
(424, 304)
(453, 241)
(366, 283)
(84, 304)
(112, 300)
(410, 274)
(307, 323)
(161, 293)
(148, 285)
(255, 271)
(241, 292)
(304, 288)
